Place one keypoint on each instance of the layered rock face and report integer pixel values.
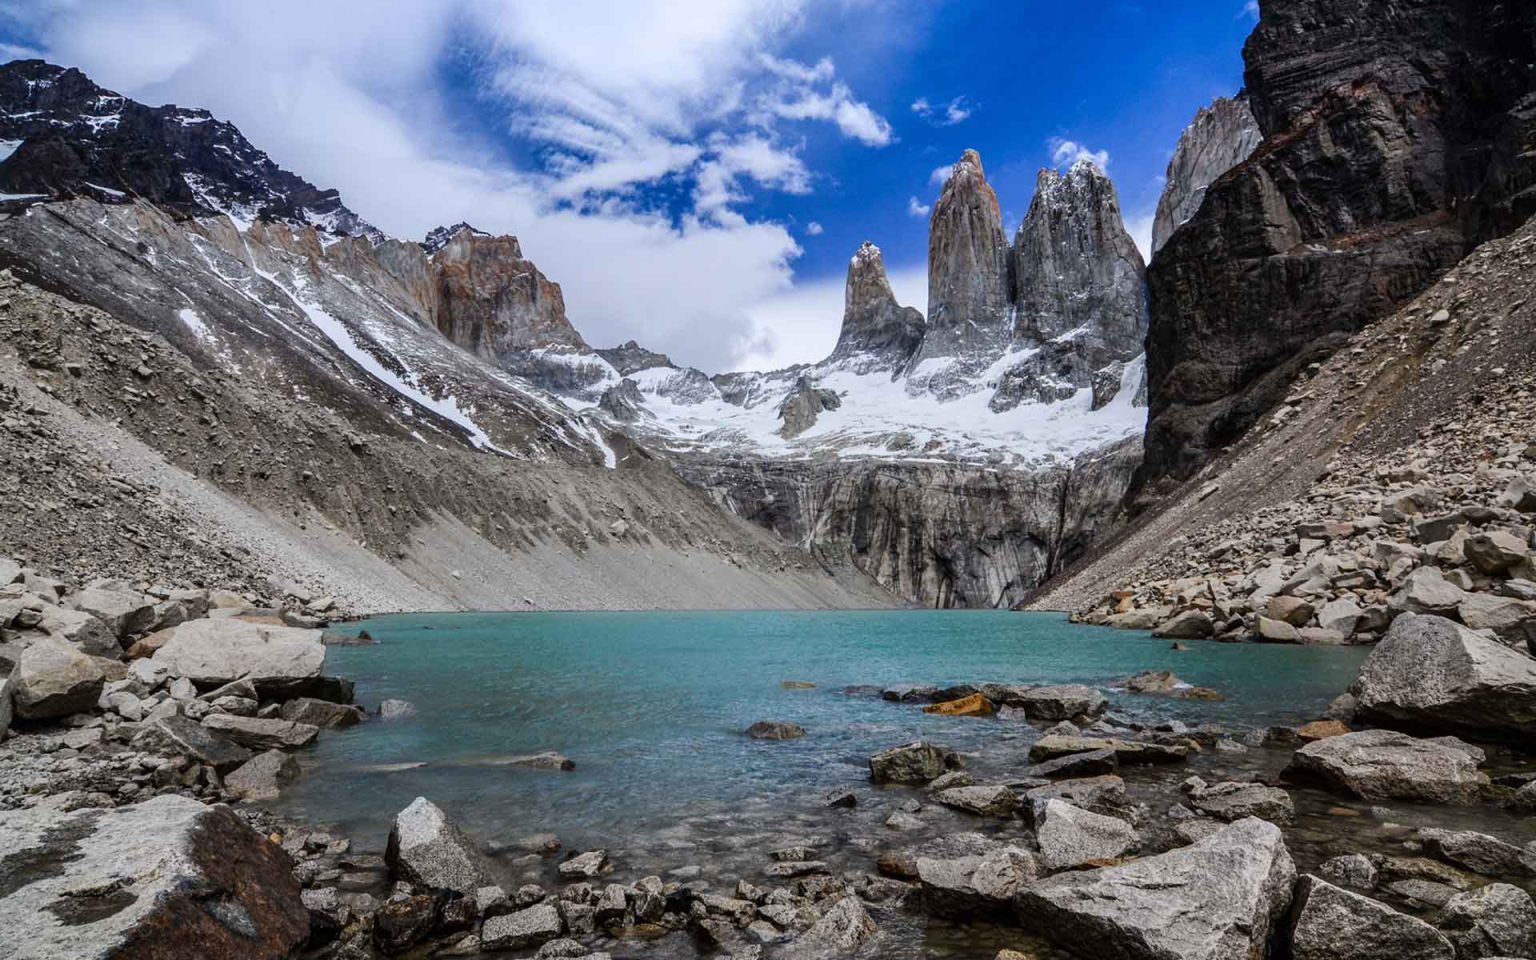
(967, 265)
(1397, 134)
(875, 328)
(1079, 287)
(1222, 136)
(78, 139)
(493, 302)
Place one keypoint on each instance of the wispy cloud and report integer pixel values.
(814, 229)
(916, 208)
(1064, 153)
(1251, 10)
(944, 115)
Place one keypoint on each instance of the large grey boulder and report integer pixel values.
(1431, 673)
(975, 885)
(81, 630)
(1387, 765)
(992, 800)
(915, 762)
(1070, 836)
(262, 777)
(1058, 701)
(1189, 625)
(126, 612)
(169, 878)
(1334, 924)
(176, 735)
(530, 927)
(1219, 898)
(321, 713)
(428, 849)
(1498, 920)
(53, 679)
(282, 662)
(1232, 800)
(1477, 852)
(1426, 590)
(262, 734)
(1129, 752)
(845, 926)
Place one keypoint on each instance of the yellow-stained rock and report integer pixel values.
(1321, 730)
(974, 705)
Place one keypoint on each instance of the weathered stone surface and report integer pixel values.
(1233, 801)
(1092, 793)
(1478, 852)
(176, 735)
(321, 713)
(775, 730)
(1385, 764)
(1217, 899)
(804, 403)
(1070, 836)
(844, 927)
(166, 879)
(1222, 136)
(280, 661)
(1498, 920)
(80, 629)
(53, 679)
(1132, 752)
(1431, 673)
(261, 734)
(263, 776)
(1189, 625)
(1089, 764)
(1334, 924)
(983, 801)
(916, 762)
(967, 265)
(975, 885)
(126, 613)
(1495, 551)
(428, 849)
(525, 928)
(1059, 701)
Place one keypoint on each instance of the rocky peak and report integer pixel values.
(967, 265)
(70, 137)
(874, 324)
(440, 237)
(629, 357)
(495, 303)
(1222, 136)
(805, 402)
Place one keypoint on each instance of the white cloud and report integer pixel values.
(1139, 226)
(814, 229)
(951, 113)
(918, 209)
(1064, 153)
(1251, 10)
(940, 175)
(680, 92)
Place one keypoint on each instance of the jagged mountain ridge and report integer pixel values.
(61, 135)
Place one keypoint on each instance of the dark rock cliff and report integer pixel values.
(875, 328)
(967, 265)
(1397, 134)
(1222, 136)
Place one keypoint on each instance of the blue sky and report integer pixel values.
(695, 173)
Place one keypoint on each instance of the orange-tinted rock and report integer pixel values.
(974, 705)
(1321, 730)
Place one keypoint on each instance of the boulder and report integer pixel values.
(1154, 681)
(1495, 551)
(1508, 617)
(1426, 590)
(980, 885)
(1089, 764)
(1334, 924)
(1387, 765)
(530, 927)
(1189, 625)
(1350, 870)
(1219, 898)
(1070, 836)
(1059, 701)
(396, 709)
(176, 735)
(7, 708)
(1091, 793)
(1292, 610)
(1277, 631)
(81, 630)
(916, 762)
(1322, 729)
(263, 776)
(1131, 752)
(405, 921)
(585, 865)
(53, 679)
(983, 801)
(321, 713)
(844, 927)
(1430, 673)
(1498, 920)
(262, 734)
(169, 878)
(282, 662)
(1340, 615)
(909, 692)
(1477, 852)
(775, 730)
(974, 705)
(428, 849)
(1233, 801)
(125, 612)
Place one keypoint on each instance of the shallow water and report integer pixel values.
(651, 706)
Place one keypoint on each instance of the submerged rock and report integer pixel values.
(169, 878)
(1217, 899)
(915, 762)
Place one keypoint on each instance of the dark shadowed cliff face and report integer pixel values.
(1222, 136)
(967, 265)
(1393, 141)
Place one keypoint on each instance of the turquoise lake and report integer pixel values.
(652, 708)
